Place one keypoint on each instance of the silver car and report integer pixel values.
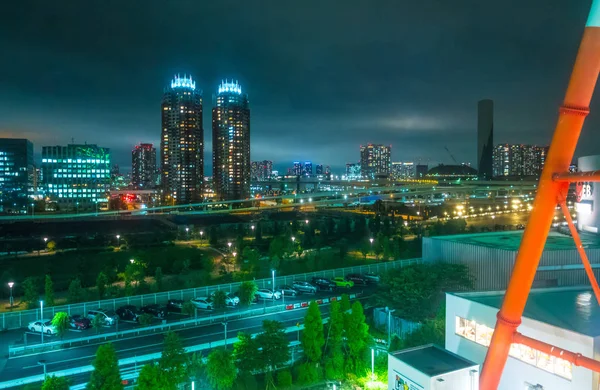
(108, 316)
(304, 287)
(265, 293)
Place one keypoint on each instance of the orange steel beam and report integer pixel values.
(572, 357)
(570, 121)
(577, 177)
(579, 245)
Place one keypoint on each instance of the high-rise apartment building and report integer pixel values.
(353, 171)
(518, 160)
(485, 138)
(76, 174)
(297, 168)
(375, 161)
(261, 170)
(182, 142)
(231, 143)
(319, 169)
(403, 170)
(308, 169)
(143, 166)
(17, 174)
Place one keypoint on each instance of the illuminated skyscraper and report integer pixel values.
(143, 166)
(308, 170)
(518, 160)
(485, 138)
(231, 143)
(182, 142)
(375, 161)
(16, 174)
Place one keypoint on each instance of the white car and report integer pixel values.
(202, 303)
(40, 326)
(265, 293)
(230, 300)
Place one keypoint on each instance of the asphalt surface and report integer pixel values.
(24, 366)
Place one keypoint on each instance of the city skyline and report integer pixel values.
(335, 105)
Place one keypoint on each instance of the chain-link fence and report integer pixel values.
(20, 319)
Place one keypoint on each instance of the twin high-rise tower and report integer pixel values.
(182, 142)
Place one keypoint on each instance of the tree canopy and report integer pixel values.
(312, 337)
(55, 383)
(220, 369)
(106, 375)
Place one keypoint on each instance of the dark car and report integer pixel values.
(79, 322)
(371, 278)
(175, 305)
(288, 291)
(155, 310)
(356, 278)
(323, 284)
(128, 313)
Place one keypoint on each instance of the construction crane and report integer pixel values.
(552, 190)
(453, 159)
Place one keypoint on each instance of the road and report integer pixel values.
(25, 366)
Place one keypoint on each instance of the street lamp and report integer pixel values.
(118, 240)
(43, 363)
(201, 234)
(45, 239)
(306, 221)
(10, 286)
(41, 319)
(390, 325)
(372, 364)
(187, 230)
(293, 239)
(131, 261)
(225, 325)
(371, 240)
(273, 275)
(252, 227)
(32, 210)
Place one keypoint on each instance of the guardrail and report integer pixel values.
(103, 337)
(20, 319)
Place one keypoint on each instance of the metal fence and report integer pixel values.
(20, 319)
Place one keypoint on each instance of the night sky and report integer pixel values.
(322, 76)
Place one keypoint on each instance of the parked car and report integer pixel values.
(79, 322)
(341, 282)
(356, 278)
(265, 293)
(202, 303)
(40, 326)
(230, 299)
(155, 310)
(287, 290)
(108, 316)
(304, 287)
(175, 305)
(128, 313)
(323, 284)
(371, 277)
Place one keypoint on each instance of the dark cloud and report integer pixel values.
(322, 76)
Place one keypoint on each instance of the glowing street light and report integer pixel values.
(118, 240)
(201, 234)
(131, 261)
(371, 240)
(293, 239)
(41, 318)
(229, 245)
(10, 286)
(306, 221)
(45, 239)
(252, 227)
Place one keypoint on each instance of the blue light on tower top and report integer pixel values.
(232, 87)
(183, 82)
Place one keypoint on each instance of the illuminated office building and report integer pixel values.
(17, 174)
(182, 142)
(143, 166)
(308, 169)
(76, 174)
(231, 143)
(353, 171)
(518, 160)
(375, 161)
(403, 170)
(297, 169)
(261, 170)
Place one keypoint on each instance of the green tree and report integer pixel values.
(189, 309)
(158, 278)
(343, 248)
(276, 248)
(97, 323)
(75, 291)
(251, 258)
(49, 292)
(275, 348)
(219, 299)
(220, 369)
(345, 304)
(61, 323)
(51, 246)
(419, 289)
(246, 353)
(247, 292)
(312, 337)
(106, 375)
(145, 319)
(284, 379)
(307, 373)
(334, 353)
(31, 295)
(151, 377)
(101, 282)
(173, 358)
(365, 249)
(357, 333)
(213, 236)
(55, 383)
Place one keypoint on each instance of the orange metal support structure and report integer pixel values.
(550, 193)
